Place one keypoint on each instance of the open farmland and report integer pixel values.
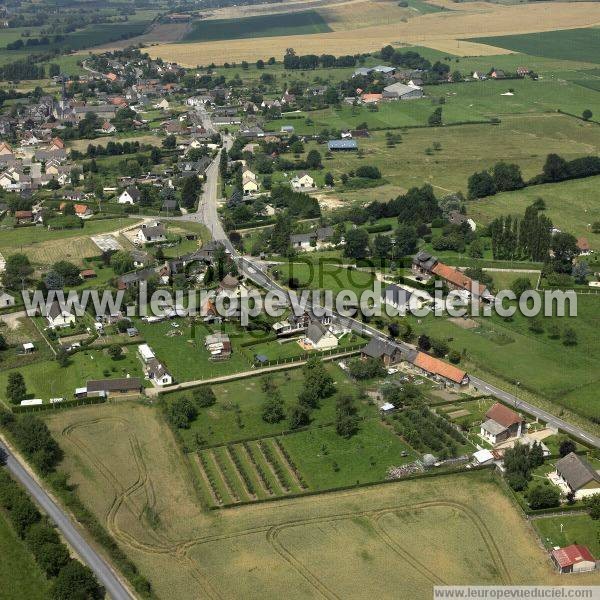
(572, 44)
(300, 23)
(442, 30)
(522, 139)
(269, 551)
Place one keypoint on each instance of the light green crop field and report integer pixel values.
(574, 44)
(19, 573)
(524, 140)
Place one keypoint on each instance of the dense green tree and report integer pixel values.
(299, 416)
(181, 412)
(507, 177)
(122, 262)
(481, 185)
(346, 416)
(555, 168)
(18, 271)
(405, 240)
(566, 447)
(313, 160)
(115, 351)
(356, 243)
(564, 248)
(543, 495)
(76, 582)
(204, 396)
(435, 118)
(273, 410)
(16, 390)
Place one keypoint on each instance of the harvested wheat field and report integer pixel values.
(361, 544)
(440, 30)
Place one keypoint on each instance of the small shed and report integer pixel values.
(28, 348)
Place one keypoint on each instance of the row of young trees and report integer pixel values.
(532, 238)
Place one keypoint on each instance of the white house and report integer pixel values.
(58, 318)
(249, 185)
(575, 474)
(157, 373)
(151, 235)
(129, 196)
(319, 337)
(163, 105)
(302, 181)
(6, 299)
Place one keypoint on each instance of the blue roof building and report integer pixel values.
(342, 145)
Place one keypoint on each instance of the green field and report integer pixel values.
(570, 44)
(327, 460)
(298, 23)
(20, 575)
(523, 139)
(576, 529)
(326, 277)
(541, 365)
(571, 205)
(219, 424)
(48, 380)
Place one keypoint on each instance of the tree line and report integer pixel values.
(505, 177)
(70, 579)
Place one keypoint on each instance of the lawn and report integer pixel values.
(184, 353)
(326, 276)
(298, 23)
(509, 350)
(237, 413)
(47, 246)
(576, 529)
(571, 205)
(47, 379)
(327, 460)
(19, 573)
(571, 44)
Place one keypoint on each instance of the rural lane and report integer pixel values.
(105, 574)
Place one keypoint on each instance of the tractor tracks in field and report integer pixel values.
(160, 544)
(123, 496)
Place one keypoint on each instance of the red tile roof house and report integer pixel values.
(573, 559)
(502, 424)
(450, 375)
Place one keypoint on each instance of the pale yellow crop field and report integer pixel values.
(435, 30)
(360, 543)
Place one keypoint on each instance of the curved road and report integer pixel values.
(105, 574)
